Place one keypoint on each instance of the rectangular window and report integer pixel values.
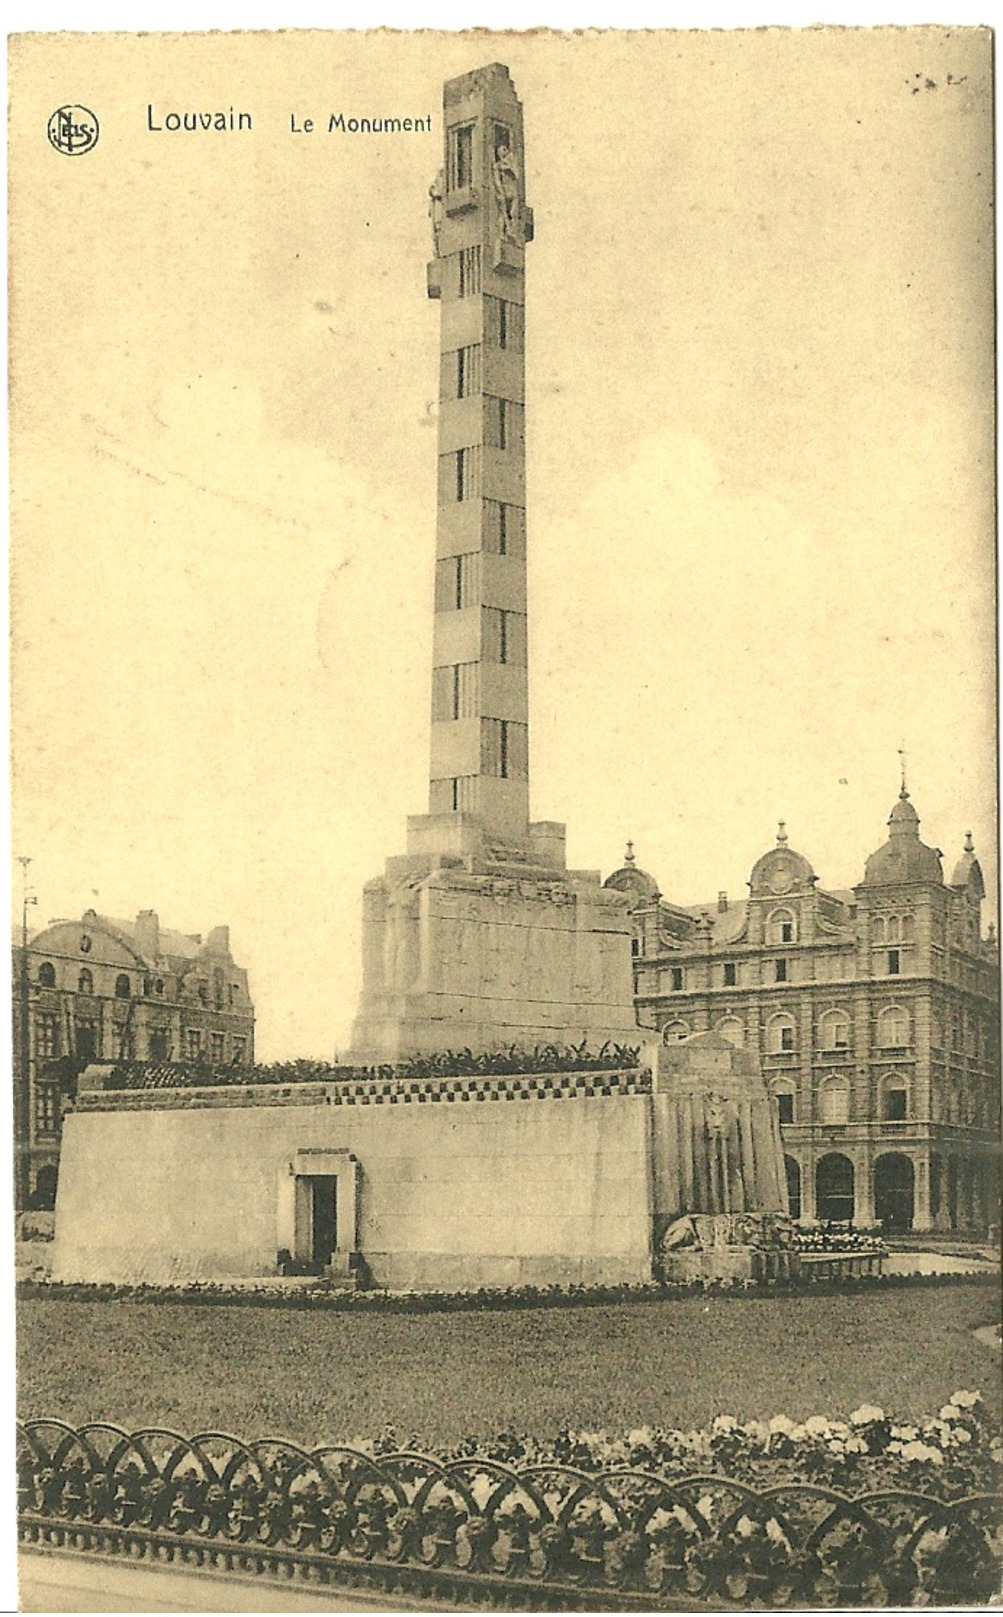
(217, 1044)
(786, 1038)
(730, 974)
(47, 1109)
(895, 1107)
(677, 979)
(785, 1106)
(239, 1051)
(194, 1043)
(779, 971)
(787, 932)
(460, 171)
(46, 1034)
(87, 1040)
(122, 1041)
(160, 1044)
(470, 272)
(893, 962)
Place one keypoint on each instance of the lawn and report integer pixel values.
(321, 1376)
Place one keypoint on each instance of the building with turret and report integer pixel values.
(99, 990)
(875, 1012)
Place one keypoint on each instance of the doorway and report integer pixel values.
(322, 1191)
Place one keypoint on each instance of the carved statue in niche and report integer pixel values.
(505, 176)
(436, 210)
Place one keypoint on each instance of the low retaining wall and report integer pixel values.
(535, 1179)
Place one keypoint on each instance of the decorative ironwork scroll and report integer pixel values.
(473, 1529)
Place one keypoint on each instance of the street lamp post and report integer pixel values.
(22, 1082)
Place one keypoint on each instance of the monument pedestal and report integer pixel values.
(488, 947)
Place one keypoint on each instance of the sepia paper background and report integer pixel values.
(760, 467)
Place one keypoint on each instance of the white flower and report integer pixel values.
(907, 1433)
(775, 1532)
(962, 1435)
(640, 1438)
(950, 1412)
(816, 1426)
(966, 1400)
(705, 1505)
(723, 1423)
(782, 1423)
(866, 1413)
(836, 1446)
(798, 1434)
(745, 1527)
(855, 1445)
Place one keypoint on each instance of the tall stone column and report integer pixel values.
(480, 703)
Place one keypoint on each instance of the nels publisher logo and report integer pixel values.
(73, 130)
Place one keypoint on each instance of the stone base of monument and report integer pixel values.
(484, 950)
(730, 1263)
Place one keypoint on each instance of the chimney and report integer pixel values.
(722, 903)
(218, 941)
(148, 934)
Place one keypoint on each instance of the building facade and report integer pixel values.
(106, 990)
(875, 1012)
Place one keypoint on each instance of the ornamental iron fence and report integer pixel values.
(472, 1530)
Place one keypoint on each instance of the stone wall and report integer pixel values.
(460, 1183)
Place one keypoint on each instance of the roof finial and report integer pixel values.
(904, 790)
(628, 857)
(781, 832)
(969, 844)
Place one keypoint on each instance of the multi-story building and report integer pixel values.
(104, 990)
(875, 1012)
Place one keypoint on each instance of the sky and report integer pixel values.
(759, 460)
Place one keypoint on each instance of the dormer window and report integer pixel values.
(47, 974)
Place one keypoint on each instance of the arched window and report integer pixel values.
(908, 929)
(894, 929)
(675, 1032)
(123, 987)
(877, 929)
(781, 927)
(894, 1099)
(779, 1033)
(785, 1092)
(732, 1029)
(893, 1028)
(834, 1096)
(834, 1029)
(47, 975)
(834, 1187)
(893, 1191)
(85, 982)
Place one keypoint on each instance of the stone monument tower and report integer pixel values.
(478, 936)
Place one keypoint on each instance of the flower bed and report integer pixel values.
(857, 1512)
(825, 1237)
(546, 1058)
